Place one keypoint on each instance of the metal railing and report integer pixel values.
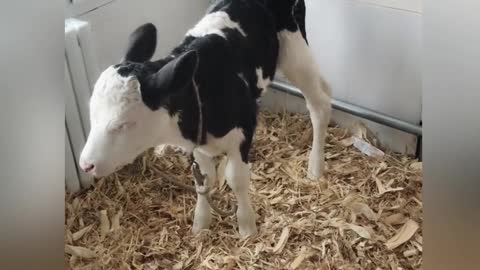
(356, 110)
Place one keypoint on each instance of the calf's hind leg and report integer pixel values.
(296, 61)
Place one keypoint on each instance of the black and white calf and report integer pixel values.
(228, 58)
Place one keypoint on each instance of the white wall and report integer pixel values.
(112, 23)
(370, 54)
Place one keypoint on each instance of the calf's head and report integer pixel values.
(127, 106)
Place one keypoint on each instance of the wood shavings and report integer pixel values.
(68, 237)
(361, 231)
(76, 236)
(80, 252)
(282, 241)
(363, 209)
(341, 221)
(405, 233)
(304, 254)
(104, 223)
(410, 252)
(353, 203)
(418, 166)
(116, 221)
(395, 219)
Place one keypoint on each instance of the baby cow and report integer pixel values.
(202, 97)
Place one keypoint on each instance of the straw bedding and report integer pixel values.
(366, 213)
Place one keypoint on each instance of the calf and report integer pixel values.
(202, 97)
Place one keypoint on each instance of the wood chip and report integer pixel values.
(256, 177)
(78, 235)
(363, 209)
(418, 166)
(361, 231)
(259, 247)
(405, 233)
(116, 221)
(396, 219)
(104, 224)
(410, 252)
(177, 266)
(304, 254)
(68, 237)
(282, 241)
(80, 252)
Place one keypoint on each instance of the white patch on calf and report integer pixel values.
(112, 95)
(226, 144)
(214, 23)
(114, 86)
(262, 83)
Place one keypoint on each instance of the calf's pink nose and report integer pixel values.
(87, 167)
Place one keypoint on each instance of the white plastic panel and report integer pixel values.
(72, 181)
(78, 73)
(74, 126)
(370, 55)
(82, 6)
(408, 5)
(83, 32)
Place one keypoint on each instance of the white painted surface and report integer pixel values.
(74, 129)
(371, 56)
(409, 5)
(72, 182)
(112, 23)
(78, 7)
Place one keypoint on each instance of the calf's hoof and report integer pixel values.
(201, 223)
(316, 167)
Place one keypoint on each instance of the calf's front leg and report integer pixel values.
(237, 173)
(203, 215)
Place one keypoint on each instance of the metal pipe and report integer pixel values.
(356, 110)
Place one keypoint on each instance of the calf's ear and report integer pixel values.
(171, 78)
(141, 44)
(177, 74)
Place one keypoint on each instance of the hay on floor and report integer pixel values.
(366, 213)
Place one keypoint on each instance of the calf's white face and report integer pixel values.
(121, 124)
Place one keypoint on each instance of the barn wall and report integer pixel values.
(113, 22)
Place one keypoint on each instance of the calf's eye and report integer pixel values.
(123, 127)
